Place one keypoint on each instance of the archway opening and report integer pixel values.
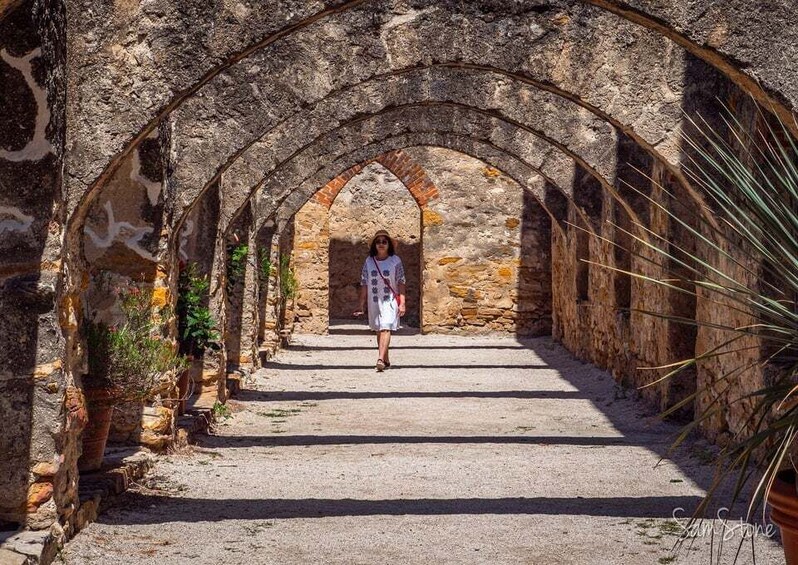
(374, 199)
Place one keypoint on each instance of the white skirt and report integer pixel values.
(384, 315)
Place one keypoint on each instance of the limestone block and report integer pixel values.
(29, 543)
(157, 419)
(38, 494)
(8, 557)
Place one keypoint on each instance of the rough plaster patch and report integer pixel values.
(394, 22)
(131, 239)
(18, 222)
(38, 146)
(153, 188)
(188, 229)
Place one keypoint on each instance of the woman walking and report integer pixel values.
(382, 288)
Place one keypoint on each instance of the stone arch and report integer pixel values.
(313, 311)
(106, 126)
(576, 325)
(328, 260)
(402, 165)
(512, 165)
(429, 117)
(422, 190)
(247, 165)
(187, 84)
(177, 119)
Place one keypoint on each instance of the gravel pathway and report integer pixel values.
(468, 450)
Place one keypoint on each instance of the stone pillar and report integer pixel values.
(311, 257)
(567, 309)
(201, 244)
(237, 270)
(212, 386)
(286, 305)
(657, 341)
(250, 313)
(269, 299)
(41, 410)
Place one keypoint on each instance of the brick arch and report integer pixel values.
(402, 165)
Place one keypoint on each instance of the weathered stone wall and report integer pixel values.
(41, 408)
(198, 242)
(485, 247)
(530, 86)
(486, 250)
(375, 199)
(311, 254)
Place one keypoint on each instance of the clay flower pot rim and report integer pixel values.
(103, 396)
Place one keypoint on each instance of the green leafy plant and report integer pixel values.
(236, 265)
(221, 411)
(265, 264)
(196, 326)
(746, 260)
(135, 355)
(289, 286)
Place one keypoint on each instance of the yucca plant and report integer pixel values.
(745, 259)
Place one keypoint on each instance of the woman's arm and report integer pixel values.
(363, 290)
(402, 299)
(362, 300)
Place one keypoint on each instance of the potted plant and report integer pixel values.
(196, 327)
(127, 362)
(750, 182)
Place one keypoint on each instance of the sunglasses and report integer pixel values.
(381, 241)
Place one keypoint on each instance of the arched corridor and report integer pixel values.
(469, 450)
(187, 190)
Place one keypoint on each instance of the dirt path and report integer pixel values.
(468, 450)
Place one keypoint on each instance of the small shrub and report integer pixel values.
(196, 326)
(288, 283)
(265, 265)
(134, 356)
(236, 265)
(221, 411)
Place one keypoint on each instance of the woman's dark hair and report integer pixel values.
(373, 248)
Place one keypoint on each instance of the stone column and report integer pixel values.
(125, 245)
(237, 270)
(311, 257)
(203, 245)
(269, 301)
(286, 312)
(248, 357)
(41, 409)
(212, 387)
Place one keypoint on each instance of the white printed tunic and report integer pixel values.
(383, 310)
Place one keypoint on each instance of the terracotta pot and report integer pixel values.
(100, 406)
(783, 501)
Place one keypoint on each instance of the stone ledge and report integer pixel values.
(121, 467)
(192, 423)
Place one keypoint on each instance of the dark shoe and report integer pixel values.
(380, 365)
(387, 364)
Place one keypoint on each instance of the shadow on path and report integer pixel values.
(305, 440)
(306, 395)
(327, 367)
(201, 509)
